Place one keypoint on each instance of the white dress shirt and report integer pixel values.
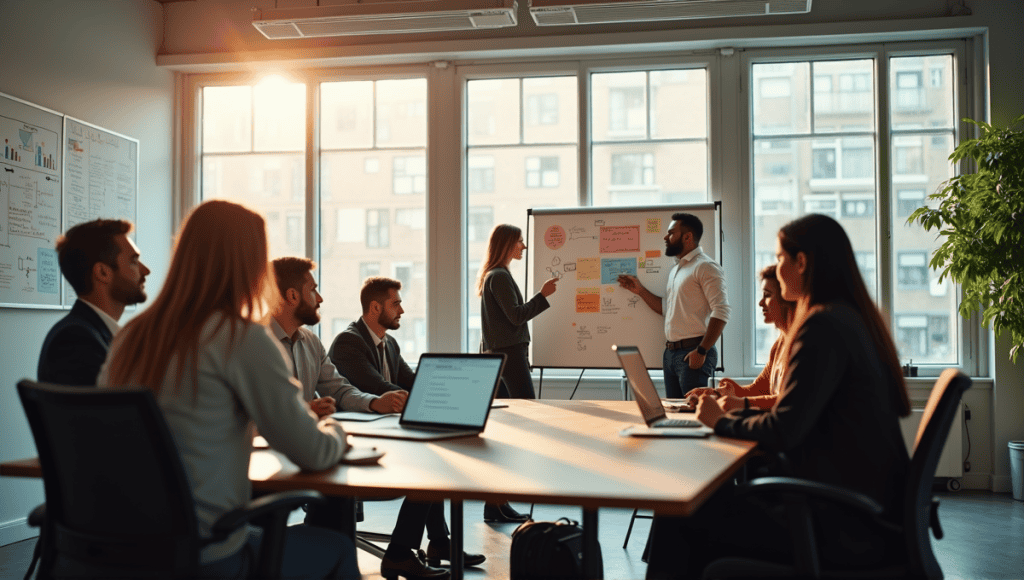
(695, 294)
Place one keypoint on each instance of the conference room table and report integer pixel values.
(539, 451)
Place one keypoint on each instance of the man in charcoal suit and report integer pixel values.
(102, 264)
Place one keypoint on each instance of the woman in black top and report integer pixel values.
(836, 419)
(503, 315)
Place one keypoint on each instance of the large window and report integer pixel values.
(828, 120)
(650, 137)
(521, 154)
(373, 152)
(361, 169)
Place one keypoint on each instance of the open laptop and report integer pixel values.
(647, 398)
(450, 397)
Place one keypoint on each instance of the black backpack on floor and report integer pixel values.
(548, 550)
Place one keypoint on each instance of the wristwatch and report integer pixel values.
(701, 350)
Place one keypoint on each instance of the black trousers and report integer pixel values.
(413, 518)
(516, 381)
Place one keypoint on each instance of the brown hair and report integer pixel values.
(85, 245)
(499, 249)
(219, 266)
(376, 289)
(769, 272)
(291, 272)
(831, 276)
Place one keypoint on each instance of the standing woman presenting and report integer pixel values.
(503, 315)
(503, 318)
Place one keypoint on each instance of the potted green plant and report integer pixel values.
(981, 216)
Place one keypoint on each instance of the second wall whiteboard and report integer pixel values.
(587, 248)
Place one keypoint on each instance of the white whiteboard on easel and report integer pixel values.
(587, 248)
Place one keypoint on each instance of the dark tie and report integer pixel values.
(382, 352)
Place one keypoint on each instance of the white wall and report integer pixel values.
(96, 61)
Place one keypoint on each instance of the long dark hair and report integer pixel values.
(832, 275)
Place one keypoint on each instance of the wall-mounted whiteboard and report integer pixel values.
(30, 196)
(101, 177)
(55, 172)
(587, 248)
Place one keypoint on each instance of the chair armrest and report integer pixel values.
(276, 502)
(813, 489)
(37, 517)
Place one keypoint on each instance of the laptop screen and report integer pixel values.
(647, 397)
(453, 389)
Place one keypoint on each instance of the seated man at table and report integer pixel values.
(102, 264)
(299, 306)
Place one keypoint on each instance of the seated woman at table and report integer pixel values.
(761, 393)
(215, 370)
(836, 419)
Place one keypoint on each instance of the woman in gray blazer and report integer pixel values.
(503, 318)
(503, 315)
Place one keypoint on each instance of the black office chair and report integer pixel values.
(118, 503)
(915, 558)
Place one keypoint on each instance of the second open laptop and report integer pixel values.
(649, 401)
(450, 397)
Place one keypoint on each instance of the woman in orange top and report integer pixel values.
(761, 393)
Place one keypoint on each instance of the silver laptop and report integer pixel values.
(647, 398)
(450, 397)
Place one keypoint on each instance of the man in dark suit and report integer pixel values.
(371, 360)
(358, 352)
(102, 264)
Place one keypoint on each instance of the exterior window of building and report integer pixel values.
(858, 205)
(527, 158)
(633, 169)
(480, 174)
(402, 271)
(649, 149)
(912, 270)
(251, 134)
(626, 111)
(542, 172)
(373, 152)
(909, 90)
(367, 269)
(480, 223)
(378, 233)
(542, 109)
(410, 175)
(908, 200)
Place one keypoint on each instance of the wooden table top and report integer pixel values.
(544, 451)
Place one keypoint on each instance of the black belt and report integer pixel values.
(685, 343)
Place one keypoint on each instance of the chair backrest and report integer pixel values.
(116, 490)
(931, 437)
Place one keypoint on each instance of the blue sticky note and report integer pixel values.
(48, 274)
(611, 268)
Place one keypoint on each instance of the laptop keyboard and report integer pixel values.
(677, 423)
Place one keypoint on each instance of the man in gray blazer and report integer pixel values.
(102, 264)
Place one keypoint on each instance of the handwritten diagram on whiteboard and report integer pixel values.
(30, 195)
(55, 172)
(101, 174)
(588, 249)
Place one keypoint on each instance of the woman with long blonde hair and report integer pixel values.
(216, 371)
(503, 318)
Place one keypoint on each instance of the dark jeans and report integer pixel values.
(516, 381)
(309, 552)
(680, 378)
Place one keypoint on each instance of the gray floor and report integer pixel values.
(984, 539)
